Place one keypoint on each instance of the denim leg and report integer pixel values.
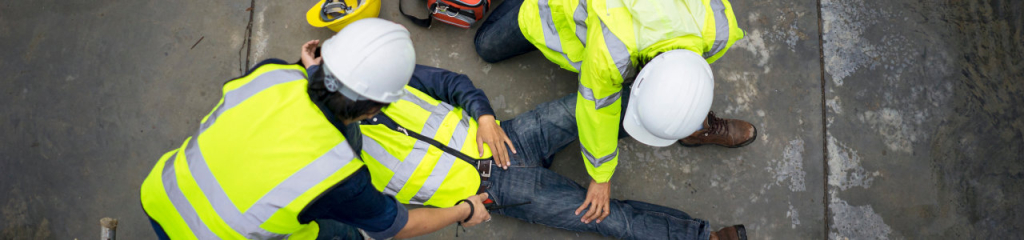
(555, 199)
(543, 131)
(499, 37)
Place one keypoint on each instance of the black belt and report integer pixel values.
(484, 168)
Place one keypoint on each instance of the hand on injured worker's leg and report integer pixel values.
(597, 199)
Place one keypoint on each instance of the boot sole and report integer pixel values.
(748, 142)
(741, 232)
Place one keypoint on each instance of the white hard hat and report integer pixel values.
(670, 98)
(372, 59)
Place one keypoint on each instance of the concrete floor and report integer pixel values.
(877, 120)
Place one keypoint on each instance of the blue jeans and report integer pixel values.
(499, 37)
(538, 135)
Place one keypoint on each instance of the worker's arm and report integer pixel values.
(428, 220)
(598, 110)
(452, 88)
(458, 90)
(355, 202)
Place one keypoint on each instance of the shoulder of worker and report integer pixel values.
(269, 61)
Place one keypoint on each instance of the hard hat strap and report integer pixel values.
(332, 10)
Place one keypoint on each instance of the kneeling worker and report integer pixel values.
(273, 159)
(609, 43)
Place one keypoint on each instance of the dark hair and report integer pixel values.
(342, 107)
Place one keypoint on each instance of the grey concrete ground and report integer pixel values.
(877, 120)
(924, 119)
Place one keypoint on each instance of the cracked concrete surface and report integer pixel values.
(877, 120)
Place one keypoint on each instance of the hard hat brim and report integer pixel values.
(374, 58)
(636, 129)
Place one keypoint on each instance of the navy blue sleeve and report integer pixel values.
(266, 61)
(312, 69)
(452, 88)
(355, 202)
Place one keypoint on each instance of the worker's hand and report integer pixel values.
(307, 53)
(490, 133)
(480, 213)
(597, 199)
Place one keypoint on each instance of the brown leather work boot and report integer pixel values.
(732, 133)
(737, 232)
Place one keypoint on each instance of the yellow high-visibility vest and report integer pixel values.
(414, 171)
(605, 41)
(263, 154)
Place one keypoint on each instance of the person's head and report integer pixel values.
(670, 98)
(365, 66)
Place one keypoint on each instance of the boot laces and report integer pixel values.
(717, 125)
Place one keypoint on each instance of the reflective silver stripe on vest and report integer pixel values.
(580, 16)
(380, 155)
(248, 223)
(375, 150)
(300, 182)
(551, 39)
(181, 203)
(721, 28)
(234, 97)
(404, 169)
(599, 103)
(461, 132)
(444, 164)
(618, 51)
(598, 161)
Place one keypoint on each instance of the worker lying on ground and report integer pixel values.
(273, 159)
(423, 149)
(608, 43)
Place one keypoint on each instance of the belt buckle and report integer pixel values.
(485, 168)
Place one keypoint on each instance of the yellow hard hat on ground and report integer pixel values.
(336, 14)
